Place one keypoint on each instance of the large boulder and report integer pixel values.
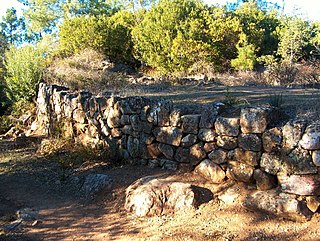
(279, 204)
(151, 196)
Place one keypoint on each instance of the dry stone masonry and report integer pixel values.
(246, 147)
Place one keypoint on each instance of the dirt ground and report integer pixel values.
(29, 180)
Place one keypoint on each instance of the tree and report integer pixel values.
(294, 34)
(246, 55)
(224, 32)
(92, 7)
(172, 36)
(13, 28)
(42, 15)
(108, 35)
(259, 25)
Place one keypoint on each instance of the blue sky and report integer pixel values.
(310, 9)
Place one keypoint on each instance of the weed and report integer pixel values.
(276, 100)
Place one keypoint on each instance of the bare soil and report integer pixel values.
(36, 182)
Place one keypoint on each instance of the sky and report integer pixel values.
(310, 9)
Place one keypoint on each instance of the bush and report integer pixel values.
(108, 35)
(24, 72)
(172, 36)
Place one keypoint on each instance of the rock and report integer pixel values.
(227, 142)
(116, 132)
(254, 119)
(206, 135)
(192, 155)
(169, 164)
(125, 120)
(230, 195)
(227, 126)
(166, 150)
(197, 154)
(189, 140)
(153, 150)
(175, 118)
(298, 162)
(248, 157)
(13, 225)
(146, 127)
(154, 163)
(271, 163)
(168, 135)
(240, 171)
(250, 142)
(209, 146)
(313, 203)
(311, 138)
(95, 184)
(163, 113)
(146, 138)
(264, 181)
(316, 158)
(218, 156)
(190, 124)
(292, 133)
(152, 115)
(211, 171)
(182, 155)
(272, 139)
(133, 146)
(131, 105)
(27, 214)
(306, 185)
(135, 122)
(114, 117)
(79, 116)
(127, 130)
(279, 204)
(208, 117)
(154, 196)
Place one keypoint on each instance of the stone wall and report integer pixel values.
(245, 147)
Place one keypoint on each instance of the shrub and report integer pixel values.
(108, 35)
(24, 67)
(172, 36)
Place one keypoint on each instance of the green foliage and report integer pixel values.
(223, 36)
(24, 71)
(42, 15)
(109, 35)
(259, 26)
(171, 37)
(294, 35)
(246, 55)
